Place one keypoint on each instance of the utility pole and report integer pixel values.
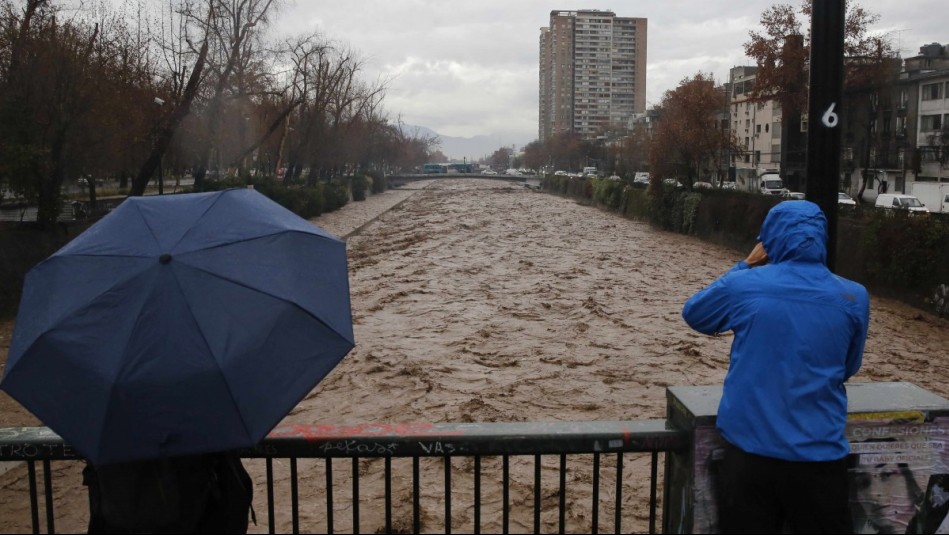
(823, 119)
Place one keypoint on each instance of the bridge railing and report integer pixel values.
(579, 477)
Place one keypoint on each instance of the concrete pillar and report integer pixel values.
(898, 435)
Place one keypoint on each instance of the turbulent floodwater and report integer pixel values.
(484, 301)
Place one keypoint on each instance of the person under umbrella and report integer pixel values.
(179, 326)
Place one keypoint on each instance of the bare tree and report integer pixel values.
(688, 140)
(309, 56)
(234, 26)
(781, 53)
(181, 108)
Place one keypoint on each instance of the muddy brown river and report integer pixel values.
(484, 301)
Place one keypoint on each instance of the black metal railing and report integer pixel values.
(477, 477)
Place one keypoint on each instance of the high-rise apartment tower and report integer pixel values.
(592, 72)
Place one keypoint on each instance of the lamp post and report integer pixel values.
(824, 97)
(161, 180)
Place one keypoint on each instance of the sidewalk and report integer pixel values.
(350, 219)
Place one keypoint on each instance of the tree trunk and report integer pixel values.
(167, 133)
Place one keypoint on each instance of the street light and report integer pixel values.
(161, 180)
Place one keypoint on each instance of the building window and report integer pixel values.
(929, 154)
(932, 91)
(930, 123)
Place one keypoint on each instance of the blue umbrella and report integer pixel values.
(180, 324)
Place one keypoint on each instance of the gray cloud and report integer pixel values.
(469, 67)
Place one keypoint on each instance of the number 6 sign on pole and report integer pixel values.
(830, 118)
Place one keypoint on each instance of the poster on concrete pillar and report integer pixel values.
(709, 447)
(899, 475)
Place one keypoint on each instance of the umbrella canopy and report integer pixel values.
(180, 324)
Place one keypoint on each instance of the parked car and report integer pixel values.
(489, 172)
(900, 201)
(843, 198)
(794, 196)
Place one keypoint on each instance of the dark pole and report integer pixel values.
(161, 180)
(823, 116)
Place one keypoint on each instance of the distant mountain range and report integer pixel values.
(459, 148)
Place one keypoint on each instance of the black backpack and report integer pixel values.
(209, 493)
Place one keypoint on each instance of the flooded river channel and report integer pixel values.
(484, 301)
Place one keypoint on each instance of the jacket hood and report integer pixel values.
(795, 230)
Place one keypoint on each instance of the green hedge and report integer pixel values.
(358, 185)
(893, 254)
(24, 245)
(906, 252)
(379, 182)
(307, 201)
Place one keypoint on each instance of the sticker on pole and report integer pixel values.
(830, 118)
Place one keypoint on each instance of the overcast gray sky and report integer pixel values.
(470, 67)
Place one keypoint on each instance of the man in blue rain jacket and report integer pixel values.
(799, 332)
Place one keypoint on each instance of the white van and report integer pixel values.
(933, 194)
(771, 184)
(900, 201)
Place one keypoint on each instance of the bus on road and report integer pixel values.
(434, 168)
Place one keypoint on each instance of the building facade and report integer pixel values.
(932, 136)
(592, 72)
(756, 129)
(896, 136)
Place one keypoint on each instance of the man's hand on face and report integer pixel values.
(757, 257)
